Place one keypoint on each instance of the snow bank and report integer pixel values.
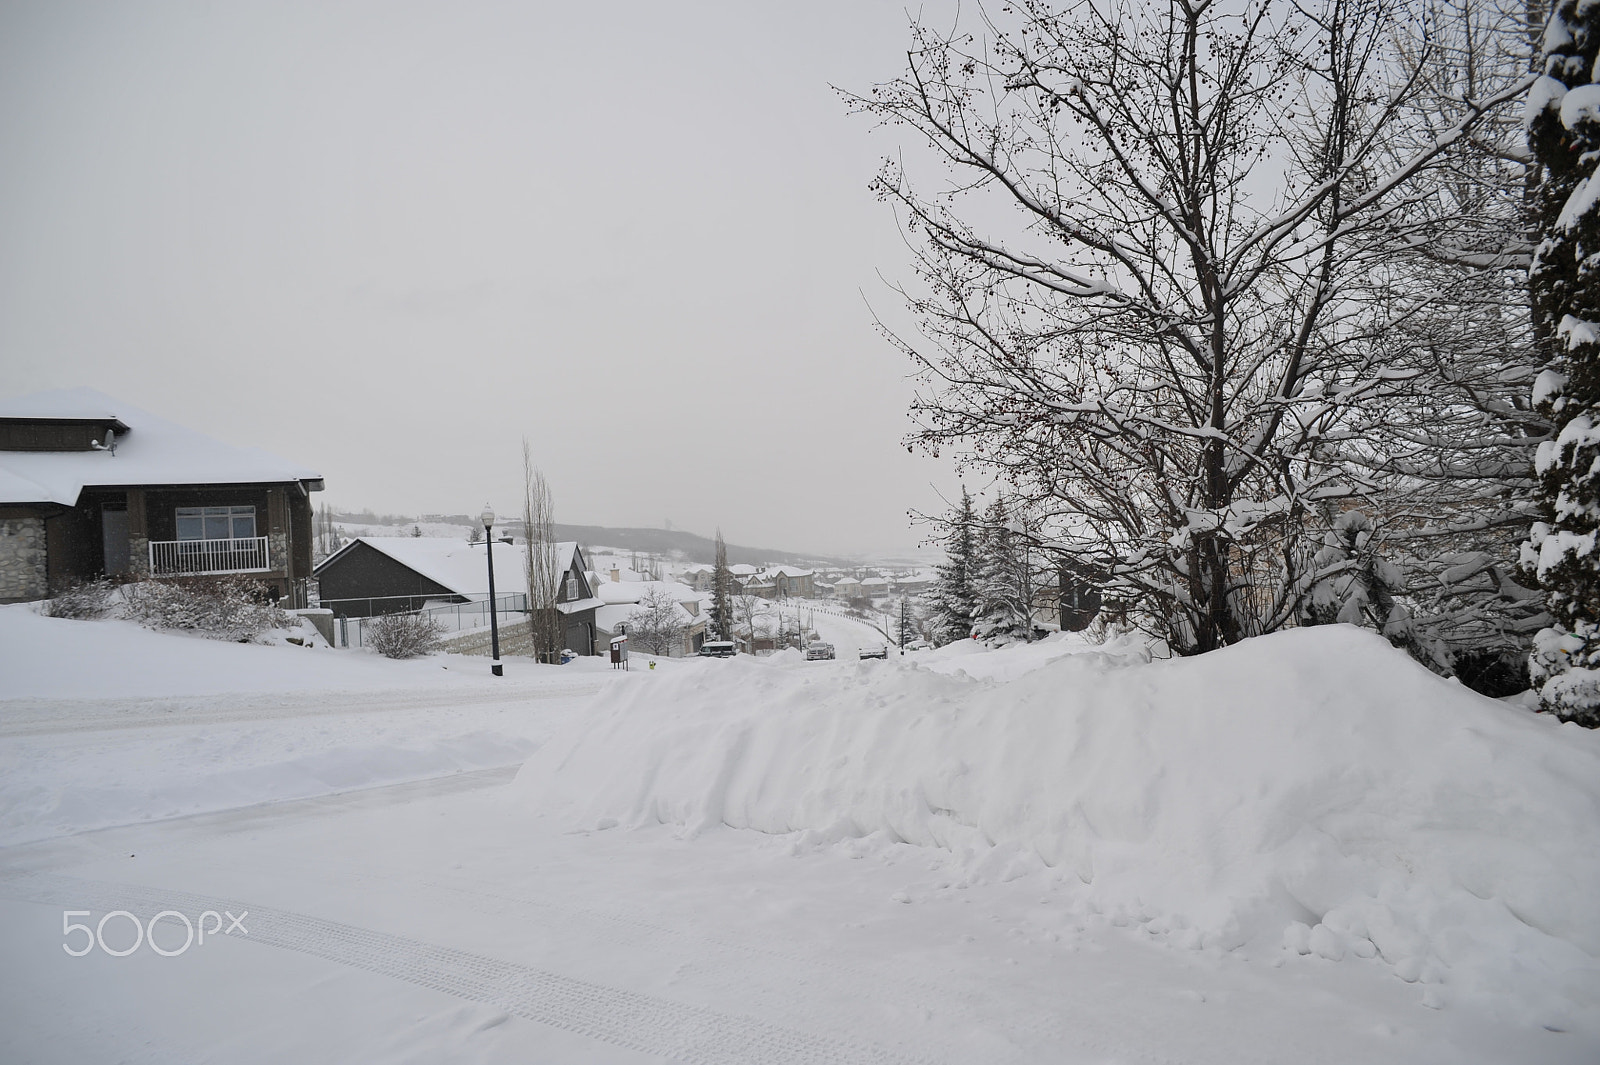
(1313, 791)
(58, 658)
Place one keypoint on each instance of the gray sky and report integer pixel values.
(391, 239)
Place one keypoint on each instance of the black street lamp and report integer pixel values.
(487, 517)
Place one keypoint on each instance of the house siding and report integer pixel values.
(371, 578)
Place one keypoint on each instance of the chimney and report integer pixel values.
(616, 575)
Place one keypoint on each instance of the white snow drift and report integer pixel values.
(1314, 791)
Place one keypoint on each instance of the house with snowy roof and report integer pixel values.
(91, 486)
(623, 599)
(792, 581)
(396, 574)
(699, 577)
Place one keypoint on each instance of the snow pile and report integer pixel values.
(1313, 791)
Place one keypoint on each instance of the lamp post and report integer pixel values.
(487, 517)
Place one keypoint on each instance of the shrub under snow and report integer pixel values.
(82, 601)
(1314, 791)
(220, 608)
(404, 635)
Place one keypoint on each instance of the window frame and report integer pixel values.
(235, 518)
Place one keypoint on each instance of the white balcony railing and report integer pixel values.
(195, 557)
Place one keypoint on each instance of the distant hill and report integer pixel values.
(689, 546)
(692, 547)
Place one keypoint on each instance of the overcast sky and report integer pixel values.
(389, 240)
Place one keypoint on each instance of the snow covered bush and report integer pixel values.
(404, 635)
(219, 608)
(1563, 116)
(1357, 586)
(83, 600)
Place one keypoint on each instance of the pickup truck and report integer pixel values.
(819, 651)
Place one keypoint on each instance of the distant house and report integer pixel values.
(873, 588)
(847, 588)
(792, 581)
(912, 583)
(90, 487)
(395, 574)
(760, 585)
(699, 578)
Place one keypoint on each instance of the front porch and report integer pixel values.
(200, 558)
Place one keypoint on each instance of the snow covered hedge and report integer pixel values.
(221, 608)
(1311, 791)
(83, 600)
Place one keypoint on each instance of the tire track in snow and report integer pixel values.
(46, 717)
(644, 1023)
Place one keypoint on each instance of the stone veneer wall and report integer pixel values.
(23, 571)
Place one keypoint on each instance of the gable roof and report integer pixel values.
(615, 593)
(459, 565)
(153, 451)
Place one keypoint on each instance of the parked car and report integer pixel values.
(880, 651)
(819, 651)
(718, 649)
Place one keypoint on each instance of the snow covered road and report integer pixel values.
(637, 946)
(408, 902)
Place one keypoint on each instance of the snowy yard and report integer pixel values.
(1302, 849)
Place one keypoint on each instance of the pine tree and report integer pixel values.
(953, 599)
(1564, 132)
(1001, 611)
(722, 593)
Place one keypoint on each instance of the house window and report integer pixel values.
(216, 523)
(572, 589)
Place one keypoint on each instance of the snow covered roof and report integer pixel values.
(743, 570)
(458, 565)
(789, 571)
(616, 592)
(842, 581)
(153, 451)
(607, 618)
(66, 404)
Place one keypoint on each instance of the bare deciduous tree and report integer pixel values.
(659, 624)
(540, 561)
(1170, 355)
(749, 606)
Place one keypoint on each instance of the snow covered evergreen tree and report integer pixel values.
(1002, 587)
(1564, 131)
(953, 599)
(721, 593)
